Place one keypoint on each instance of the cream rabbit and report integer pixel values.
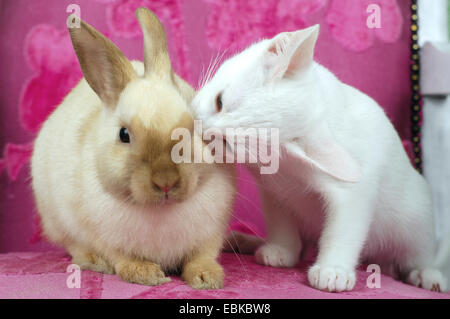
(105, 184)
(344, 182)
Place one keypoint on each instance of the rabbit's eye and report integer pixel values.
(219, 102)
(124, 135)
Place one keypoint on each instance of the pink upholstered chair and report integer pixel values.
(38, 67)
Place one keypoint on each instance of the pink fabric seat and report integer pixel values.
(43, 275)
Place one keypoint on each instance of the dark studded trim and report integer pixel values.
(416, 98)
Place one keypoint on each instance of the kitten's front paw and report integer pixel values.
(430, 279)
(276, 256)
(331, 278)
(141, 272)
(204, 275)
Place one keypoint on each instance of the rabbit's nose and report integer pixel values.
(165, 187)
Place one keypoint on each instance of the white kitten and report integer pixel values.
(344, 181)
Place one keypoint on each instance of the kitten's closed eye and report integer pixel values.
(219, 102)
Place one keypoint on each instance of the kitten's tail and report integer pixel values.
(443, 254)
(242, 243)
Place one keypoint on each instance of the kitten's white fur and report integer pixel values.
(345, 180)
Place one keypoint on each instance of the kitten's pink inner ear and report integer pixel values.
(304, 53)
(330, 158)
(290, 52)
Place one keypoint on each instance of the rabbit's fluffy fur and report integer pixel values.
(345, 181)
(102, 199)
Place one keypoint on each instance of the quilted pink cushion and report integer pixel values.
(43, 275)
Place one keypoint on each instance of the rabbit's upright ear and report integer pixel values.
(104, 66)
(290, 52)
(156, 53)
(327, 155)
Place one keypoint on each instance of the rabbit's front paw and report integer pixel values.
(204, 275)
(98, 267)
(90, 261)
(141, 272)
(331, 278)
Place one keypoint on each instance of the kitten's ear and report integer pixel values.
(329, 157)
(104, 66)
(290, 52)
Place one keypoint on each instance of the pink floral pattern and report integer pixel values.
(15, 156)
(230, 24)
(347, 20)
(235, 24)
(2, 164)
(49, 53)
(121, 20)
